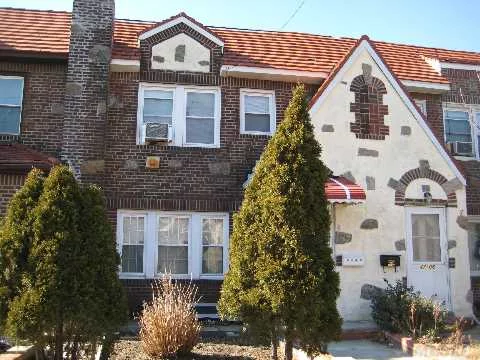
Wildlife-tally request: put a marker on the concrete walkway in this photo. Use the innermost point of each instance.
(364, 349)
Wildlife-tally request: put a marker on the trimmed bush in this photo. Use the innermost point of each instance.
(58, 266)
(282, 279)
(403, 310)
(169, 325)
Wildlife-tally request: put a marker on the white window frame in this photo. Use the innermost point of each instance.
(21, 102)
(120, 217)
(273, 110)
(189, 245)
(179, 112)
(472, 110)
(195, 246)
(224, 247)
(422, 104)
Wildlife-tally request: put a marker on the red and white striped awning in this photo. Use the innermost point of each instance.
(337, 190)
(341, 190)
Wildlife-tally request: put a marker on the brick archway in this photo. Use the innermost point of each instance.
(368, 107)
(422, 172)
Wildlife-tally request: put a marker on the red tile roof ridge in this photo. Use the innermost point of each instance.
(426, 47)
(279, 32)
(36, 10)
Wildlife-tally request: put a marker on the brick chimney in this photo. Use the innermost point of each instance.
(86, 91)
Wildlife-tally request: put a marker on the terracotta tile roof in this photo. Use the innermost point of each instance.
(43, 32)
(21, 158)
(47, 32)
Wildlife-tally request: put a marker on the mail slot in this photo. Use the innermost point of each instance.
(390, 261)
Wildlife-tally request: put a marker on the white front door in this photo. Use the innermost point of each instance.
(427, 253)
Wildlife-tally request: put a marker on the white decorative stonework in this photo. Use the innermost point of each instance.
(181, 53)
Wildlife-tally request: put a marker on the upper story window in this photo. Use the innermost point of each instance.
(257, 112)
(462, 129)
(422, 104)
(186, 245)
(179, 115)
(11, 96)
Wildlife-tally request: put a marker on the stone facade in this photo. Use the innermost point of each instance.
(86, 94)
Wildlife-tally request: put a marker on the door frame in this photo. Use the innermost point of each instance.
(442, 213)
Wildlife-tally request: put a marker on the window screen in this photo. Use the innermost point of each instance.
(200, 119)
(132, 245)
(212, 246)
(257, 113)
(426, 237)
(11, 94)
(158, 106)
(172, 245)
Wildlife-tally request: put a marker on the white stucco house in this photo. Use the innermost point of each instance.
(406, 226)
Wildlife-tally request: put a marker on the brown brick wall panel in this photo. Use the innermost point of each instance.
(191, 178)
(9, 184)
(140, 290)
(42, 113)
(465, 88)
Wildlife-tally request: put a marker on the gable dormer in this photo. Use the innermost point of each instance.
(180, 44)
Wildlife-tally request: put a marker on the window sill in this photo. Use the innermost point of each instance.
(256, 136)
(163, 146)
(254, 133)
(123, 276)
(465, 158)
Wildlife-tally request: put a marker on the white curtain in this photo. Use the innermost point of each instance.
(426, 237)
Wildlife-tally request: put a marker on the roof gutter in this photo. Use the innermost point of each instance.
(250, 72)
(426, 87)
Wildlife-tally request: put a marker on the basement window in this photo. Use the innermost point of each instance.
(257, 112)
(11, 96)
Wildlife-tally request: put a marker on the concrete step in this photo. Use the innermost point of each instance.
(18, 353)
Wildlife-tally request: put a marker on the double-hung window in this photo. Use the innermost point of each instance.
(133, 240)
(257, 112)
(158, 106)
(173, 244)
(185, 245)
(11, 95)
(212, 245)
(462, 129)
(193, 113)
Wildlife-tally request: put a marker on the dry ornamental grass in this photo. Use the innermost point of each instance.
(168, 325)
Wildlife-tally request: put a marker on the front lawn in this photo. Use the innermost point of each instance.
(222, 349)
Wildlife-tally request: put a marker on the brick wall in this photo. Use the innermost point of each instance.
(434, 112)
(42, 113)
(188, 179)
(9, 184)
(465, 88)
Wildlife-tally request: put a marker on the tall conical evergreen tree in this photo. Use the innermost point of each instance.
(282, 274)
(16, 236)
(70, 293)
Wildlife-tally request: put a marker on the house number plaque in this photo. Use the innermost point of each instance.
(427, 267)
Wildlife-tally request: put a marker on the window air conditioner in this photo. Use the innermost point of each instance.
(157, 132)
(461, 148)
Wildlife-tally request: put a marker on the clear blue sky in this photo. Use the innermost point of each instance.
(452, 24)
